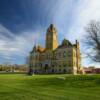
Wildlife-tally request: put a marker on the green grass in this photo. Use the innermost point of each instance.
(49, 87)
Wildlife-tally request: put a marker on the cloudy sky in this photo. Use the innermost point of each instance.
(23, 23)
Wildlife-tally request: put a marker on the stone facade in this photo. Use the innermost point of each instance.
(54, 58)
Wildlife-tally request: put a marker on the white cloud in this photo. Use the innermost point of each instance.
(17, 45)
(85, 12)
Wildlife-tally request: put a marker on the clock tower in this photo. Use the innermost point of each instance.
(51, 38)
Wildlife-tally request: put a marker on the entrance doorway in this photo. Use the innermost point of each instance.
(46, 67)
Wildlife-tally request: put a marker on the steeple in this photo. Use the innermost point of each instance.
(51, 27)
(51, 38)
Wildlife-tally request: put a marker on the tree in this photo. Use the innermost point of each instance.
(92, 40)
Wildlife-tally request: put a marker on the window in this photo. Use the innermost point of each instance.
(55, 64)
(36, 57)
(40, 65)
(55, 70)
(43, 56)
(69, 63)
(35, 65)
(30, 65)
(64, 70)
(64, 54)
(52, 70)
(54, 55)
(59, 55)
(69, 53)
(65, 65)
(47, 56)
(59, 70)
(59, 65)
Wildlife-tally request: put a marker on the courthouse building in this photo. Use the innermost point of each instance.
(55, 58)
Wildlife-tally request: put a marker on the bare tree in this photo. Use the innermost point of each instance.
(92, 40)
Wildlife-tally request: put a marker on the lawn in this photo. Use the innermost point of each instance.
(49, 87)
